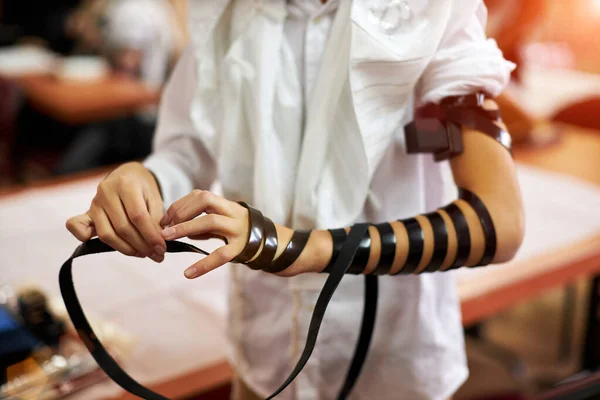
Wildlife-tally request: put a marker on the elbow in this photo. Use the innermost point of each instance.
(510, 234)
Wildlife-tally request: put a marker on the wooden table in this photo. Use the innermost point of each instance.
(84, 102)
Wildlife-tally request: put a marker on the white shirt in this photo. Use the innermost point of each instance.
(306, 32)
(255, 112)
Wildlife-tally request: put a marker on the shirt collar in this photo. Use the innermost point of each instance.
(311, 8)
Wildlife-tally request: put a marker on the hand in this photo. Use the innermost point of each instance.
(125, 214)
(224, 219)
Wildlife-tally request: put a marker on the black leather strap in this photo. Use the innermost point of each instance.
(255, 235)
(270, 242)
(477, 121)
(487, 224)
(362, 256)
(463, 235)
(442, 135)
(416, 245)
(366, 334)
(388, 249)
(339, 237)
(290, 254)
(83, 327)
(440, 242)
(338, 269)
(473, 100)
(493, 115)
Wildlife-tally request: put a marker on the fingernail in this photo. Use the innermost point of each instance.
(156, 258)
(168, 232)
(190, 272)
(159, 250)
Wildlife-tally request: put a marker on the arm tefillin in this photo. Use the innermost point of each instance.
(261, 248)
(444, 138)
(262, 237)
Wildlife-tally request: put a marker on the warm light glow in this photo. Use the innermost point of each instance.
(596, 5)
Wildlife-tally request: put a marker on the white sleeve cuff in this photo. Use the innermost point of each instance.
(478, 67)
(467, 60)
(174, 183)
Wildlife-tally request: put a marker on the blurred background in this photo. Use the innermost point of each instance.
(80, 81)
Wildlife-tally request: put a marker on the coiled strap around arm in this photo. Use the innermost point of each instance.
(463, 235)
(388, 248)
(255, 235)
(339, 238)
(291, 253)
(487, 224)
(362, 256)
(338, 270)
(417, 245)
(440, 240)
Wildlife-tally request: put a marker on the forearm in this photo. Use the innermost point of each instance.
(425, 243)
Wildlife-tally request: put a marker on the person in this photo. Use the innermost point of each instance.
(299, 108)
(140, 39)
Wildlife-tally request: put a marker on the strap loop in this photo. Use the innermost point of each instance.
(338, 269)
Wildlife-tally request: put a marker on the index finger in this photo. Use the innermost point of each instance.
(194, 204)
(139, 215)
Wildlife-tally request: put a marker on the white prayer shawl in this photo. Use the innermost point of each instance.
(349, 164)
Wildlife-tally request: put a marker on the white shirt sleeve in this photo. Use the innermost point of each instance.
(466, 61)
(181, 161)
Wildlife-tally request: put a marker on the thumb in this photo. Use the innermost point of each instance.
(82, 227)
